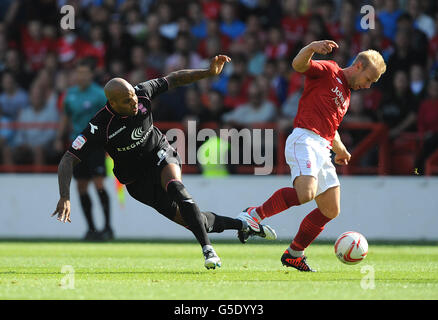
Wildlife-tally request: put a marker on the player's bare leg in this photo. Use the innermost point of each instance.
(171, 182)
(305, 187)
(329, 202)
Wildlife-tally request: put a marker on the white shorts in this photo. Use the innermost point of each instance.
(308, 154)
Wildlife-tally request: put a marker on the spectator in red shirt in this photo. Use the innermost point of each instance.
(428, 125)
(276, 47)
(211, 8)
(234, 96)
(213, 31)
(293, 23)
(326, 9)
(35, 47)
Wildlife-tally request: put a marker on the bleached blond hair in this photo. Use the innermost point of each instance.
(371, 58)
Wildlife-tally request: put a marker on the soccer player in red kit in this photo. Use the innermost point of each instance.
(324, 102)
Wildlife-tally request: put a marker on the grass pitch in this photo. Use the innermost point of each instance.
(175, 271)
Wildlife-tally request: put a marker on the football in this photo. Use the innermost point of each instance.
(351, 247)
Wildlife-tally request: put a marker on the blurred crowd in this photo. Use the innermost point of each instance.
(143, 39)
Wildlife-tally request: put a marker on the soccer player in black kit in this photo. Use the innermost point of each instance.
(145, 161)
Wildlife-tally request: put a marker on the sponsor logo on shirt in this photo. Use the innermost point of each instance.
(139, 135)
(112, 135)
(79, 142)
(339, 99)
(92, 127)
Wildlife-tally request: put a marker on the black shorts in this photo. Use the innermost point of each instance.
(93, 166)
(148, 190)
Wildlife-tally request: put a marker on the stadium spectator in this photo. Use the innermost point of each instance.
(215, 105)
(168, 26)
(418, 83)
(254, 26)
(35, 45)
(276, 84)
(356, 114)
(327, 10)
(257, 109)
(417, 38)
(35, 145)
(289, 108)
(388, 18)
(198, 23)
(195, 108)
(96, 47)
(422, 21)
(183, 50)
(14, 64)
(139, 63)
(119, 42)
(293, 22)
(403, 57)
(211, 9)
(398, 109)
(230, 23)
(380, 41)
(234, 94)
(280, 81)
(13, 99)
(81, 103)
(255, 55)
(155, 55)
(276, 46)
(428, 125)
(213, 32)
(136, 28)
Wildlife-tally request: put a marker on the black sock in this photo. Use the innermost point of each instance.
(189, 211)
(216, 223)
(86, 208)
(104, 200)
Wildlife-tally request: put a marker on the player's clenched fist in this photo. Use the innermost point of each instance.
(323, 46)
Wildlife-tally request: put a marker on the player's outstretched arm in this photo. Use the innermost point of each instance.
(65, 173)
(301, 61)
(187, 76)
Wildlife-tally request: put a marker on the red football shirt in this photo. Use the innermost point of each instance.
(325, 99)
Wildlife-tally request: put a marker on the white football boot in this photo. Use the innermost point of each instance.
(252, 228)
(211, 258)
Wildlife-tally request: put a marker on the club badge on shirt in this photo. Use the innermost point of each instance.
(79, 142)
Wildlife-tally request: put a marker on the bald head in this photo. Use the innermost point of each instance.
(116, 87)
(121, 95)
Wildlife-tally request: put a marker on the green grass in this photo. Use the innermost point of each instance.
(174, 270)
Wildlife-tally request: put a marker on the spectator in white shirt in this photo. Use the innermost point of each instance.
(258, 109)
(34, 145)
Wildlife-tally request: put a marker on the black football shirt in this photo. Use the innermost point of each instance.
(129, 140)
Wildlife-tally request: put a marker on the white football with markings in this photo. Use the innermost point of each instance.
(351, 247)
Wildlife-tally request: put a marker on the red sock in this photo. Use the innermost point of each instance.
(281, 200)
(311, 226)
